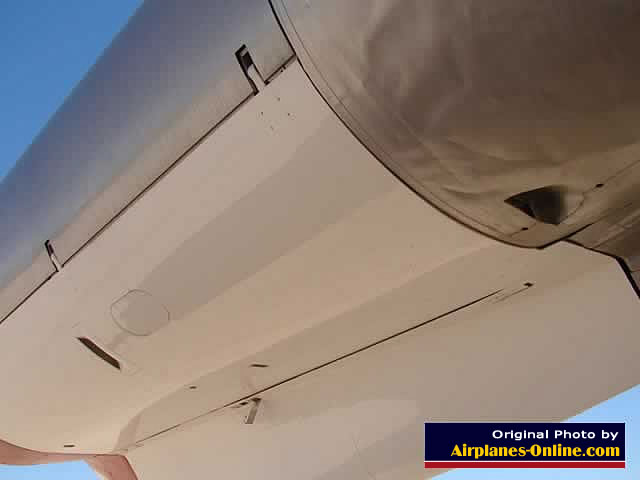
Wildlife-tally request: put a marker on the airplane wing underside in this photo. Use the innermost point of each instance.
(268, 295)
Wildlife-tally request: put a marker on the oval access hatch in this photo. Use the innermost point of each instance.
(139, 313)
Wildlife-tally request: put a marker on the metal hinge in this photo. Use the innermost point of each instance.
(253, 411)
(52, 256)
(249, 69)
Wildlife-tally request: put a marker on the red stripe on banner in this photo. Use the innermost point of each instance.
(612, 464)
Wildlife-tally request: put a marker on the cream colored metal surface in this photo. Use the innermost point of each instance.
(14, 289)
(195, 241)
(430, 291)
(289, 249)
(545, 354)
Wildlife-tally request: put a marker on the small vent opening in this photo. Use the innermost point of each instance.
(552, 204)
(99, 352)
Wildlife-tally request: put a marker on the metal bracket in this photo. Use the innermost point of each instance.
(253, 411)
(52, 256)
(249, 69)
(510, 292)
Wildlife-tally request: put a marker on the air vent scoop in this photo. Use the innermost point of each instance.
(99, 352)
(552, 204)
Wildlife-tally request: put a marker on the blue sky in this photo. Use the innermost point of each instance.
(46, 47)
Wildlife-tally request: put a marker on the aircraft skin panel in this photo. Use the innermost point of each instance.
(182, 228)
(314, 340)
(25, 283)
(528, 357)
